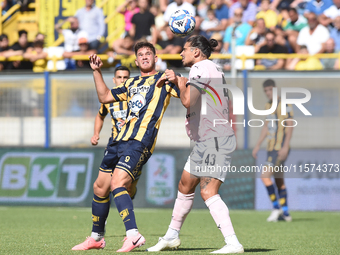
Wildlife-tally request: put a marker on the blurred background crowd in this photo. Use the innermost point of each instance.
(307, 27)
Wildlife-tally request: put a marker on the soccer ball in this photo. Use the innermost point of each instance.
(182, 23)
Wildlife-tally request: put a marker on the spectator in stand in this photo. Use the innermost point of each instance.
(318, 6)
(91, 20)
(210, 23)
(203, 7)
(256, 37)
(143, 23)
(241, 31)
(4, 46)
(128, 9)
(171, 45)
(123, 46)
(72, 35)
(223, 63)
(159, 17)
(305, 63)
(40, 37)
(294, 25)
(249, 11)
(85, 50)
(335, 33)
(222, 14)
(37, 56)
(176, 5)
(272, 47)
(18, 49)
(269, 16)
(330, 13)
(313, 36)
(330, 63)
(281, 4)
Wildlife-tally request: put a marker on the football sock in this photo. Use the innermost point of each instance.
(283, 201)
(100, 211)
(220, 213)
(125, 208)
(182, 207)
(272, 196)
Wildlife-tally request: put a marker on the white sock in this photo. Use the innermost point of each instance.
(171, 234)
(132, 232)
(232, 239)
(97, 236)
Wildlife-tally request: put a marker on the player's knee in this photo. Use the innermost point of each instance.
(185, 188)
(207, 193)
(100, 190)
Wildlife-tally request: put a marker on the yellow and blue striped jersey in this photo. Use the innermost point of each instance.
(146, 106)
(118, 112)
(276, 131)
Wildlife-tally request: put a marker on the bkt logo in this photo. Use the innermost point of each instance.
(45, 177)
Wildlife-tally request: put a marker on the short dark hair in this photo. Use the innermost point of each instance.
(269, 83)
(270, 32)
(3, 36)
(39, 43)
(21, 32)
(292, 9)
(122, 68)
(140, 45)
(202, 43)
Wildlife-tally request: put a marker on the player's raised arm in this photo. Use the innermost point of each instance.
(104, 93)
(188, 94)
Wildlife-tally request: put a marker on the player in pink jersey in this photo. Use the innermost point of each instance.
(205, 99)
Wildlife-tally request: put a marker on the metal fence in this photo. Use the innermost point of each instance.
(58, 110)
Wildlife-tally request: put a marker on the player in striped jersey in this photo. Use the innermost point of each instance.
(101, 187)
(137, 138)
(278, 137)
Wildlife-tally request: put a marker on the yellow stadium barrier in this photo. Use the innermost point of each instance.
(105, 57)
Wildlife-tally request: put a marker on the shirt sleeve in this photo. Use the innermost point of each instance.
(173, 90)
(300, 40)
(120, 93)
(227, 35)
(103, 111)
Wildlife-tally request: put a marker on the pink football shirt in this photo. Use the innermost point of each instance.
(211, 105)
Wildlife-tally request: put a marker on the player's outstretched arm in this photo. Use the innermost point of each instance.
(98, 125)
(104, 93)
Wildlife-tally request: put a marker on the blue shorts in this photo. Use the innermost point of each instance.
(272, 159)
(128, 156)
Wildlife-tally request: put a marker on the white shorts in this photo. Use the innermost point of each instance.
(211, 158)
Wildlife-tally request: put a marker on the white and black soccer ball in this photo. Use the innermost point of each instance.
(182, 23)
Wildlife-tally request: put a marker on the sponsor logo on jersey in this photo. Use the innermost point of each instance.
(141, 89)
(137, 103)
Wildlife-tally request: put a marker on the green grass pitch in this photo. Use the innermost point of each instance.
(52, 230)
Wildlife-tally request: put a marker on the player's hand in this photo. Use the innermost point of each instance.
(171, 76)
(182, 82)
(255, 151)
(94, 140)
(95, 62)
(282, 154)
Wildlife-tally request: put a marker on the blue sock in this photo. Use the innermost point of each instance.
(272, 196)
(283, 201)
(100, 211)
(125, 207)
